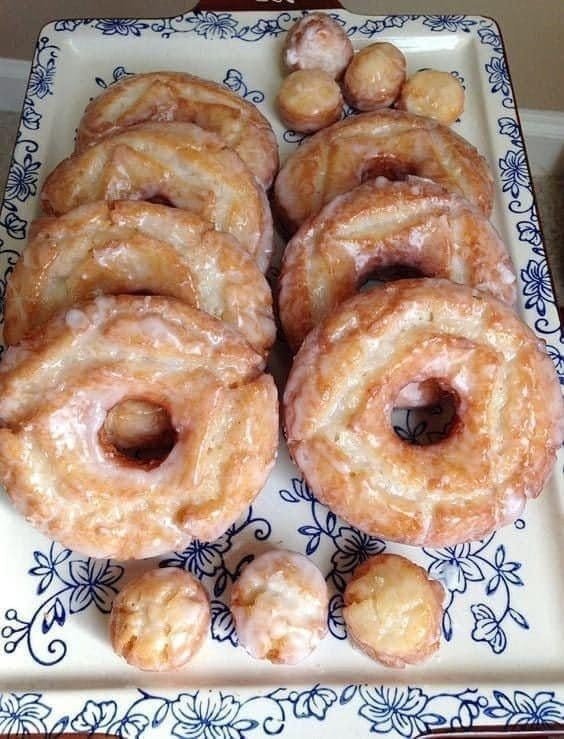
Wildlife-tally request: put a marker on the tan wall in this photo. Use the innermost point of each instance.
(533, 31)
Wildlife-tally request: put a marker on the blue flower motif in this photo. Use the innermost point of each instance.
(94, 583)
(514, 172)
(68, 25)
(222, 623)
(370, 27)
(529, 232)
(541, 708)
(487, 628)
(397, 709)
(120, 26)
(14, 225)
(490, 38)
(47, 566)
(455, 566)
(131, 726)
(354, 547)
(509, 127)
(22, 714)
(215, 25)
(41, 79)
(211, 716)
(234, 81)
(537, 286)
(315, 702)
(267, 27)
(94, 716)
(449, 23)
(498, 77)
(335, 618)
(557, 357)
(30, 117)
(505, 571)
(200, 558)
(22, 179)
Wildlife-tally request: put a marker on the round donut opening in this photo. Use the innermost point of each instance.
(425, 413)
(138, 431)
(388, 273)
(388, 166)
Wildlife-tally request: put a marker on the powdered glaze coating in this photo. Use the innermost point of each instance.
(280, 607)
(380, 225)
(509, 417)
(179, 163)
(57, 388)
(135, 247)
(160, 620)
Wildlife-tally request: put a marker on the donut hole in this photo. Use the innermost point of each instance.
(159, 199)
(138, 431)
(388, 273)
(426, 412)
(386, 165)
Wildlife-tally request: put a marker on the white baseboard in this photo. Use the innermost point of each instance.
(543, 129)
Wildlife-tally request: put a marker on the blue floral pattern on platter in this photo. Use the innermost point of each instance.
(482, 579)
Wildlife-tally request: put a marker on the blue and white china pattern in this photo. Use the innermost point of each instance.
(482, 579)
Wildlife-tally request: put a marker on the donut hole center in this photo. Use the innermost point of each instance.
(138, 432)
(388, 166)
(159, 199)
(388, 273)
(426, 412)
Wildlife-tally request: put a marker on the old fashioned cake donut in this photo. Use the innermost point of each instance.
(383, 225)
(390, 143)
(160, 620)
(59, 463)
(136, 247)
(374, 77)
(179, 164)
(177, 96)
(279, 604)
(317, 41)
(393, 610)
(502, 444)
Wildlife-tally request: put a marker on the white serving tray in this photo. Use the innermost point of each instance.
(502, 657)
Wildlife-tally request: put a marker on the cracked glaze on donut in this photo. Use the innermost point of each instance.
(344, 384)
(177, 96)
(383, 224)
(160, 620)
(280, 607)
(178, 163)
(390, 143)
(136, 247)
(57, 387)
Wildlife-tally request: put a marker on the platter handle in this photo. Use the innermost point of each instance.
(260, 5)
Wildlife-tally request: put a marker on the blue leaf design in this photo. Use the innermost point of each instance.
(348, 694)
(519, 618)
(330, 522)
(160, 714)
(499, 556)
(289, 496)
(493, 585)
(447, 625)
(55, 614)
(312, 544)
(220, 584)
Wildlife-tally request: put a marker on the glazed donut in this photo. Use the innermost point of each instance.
(308, 100)
(381, 225)
(374, 77)
(177, 96)
(393, 611)
(280, 604)
(317, 41)
(391, 143)
(435, 94)
(508, 425)
(59, 464)
(160, 620)
(177, 163)
(136, 247)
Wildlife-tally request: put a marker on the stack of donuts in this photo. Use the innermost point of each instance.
(135, 410)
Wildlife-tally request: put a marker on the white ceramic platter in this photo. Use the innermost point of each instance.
(502, 657)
